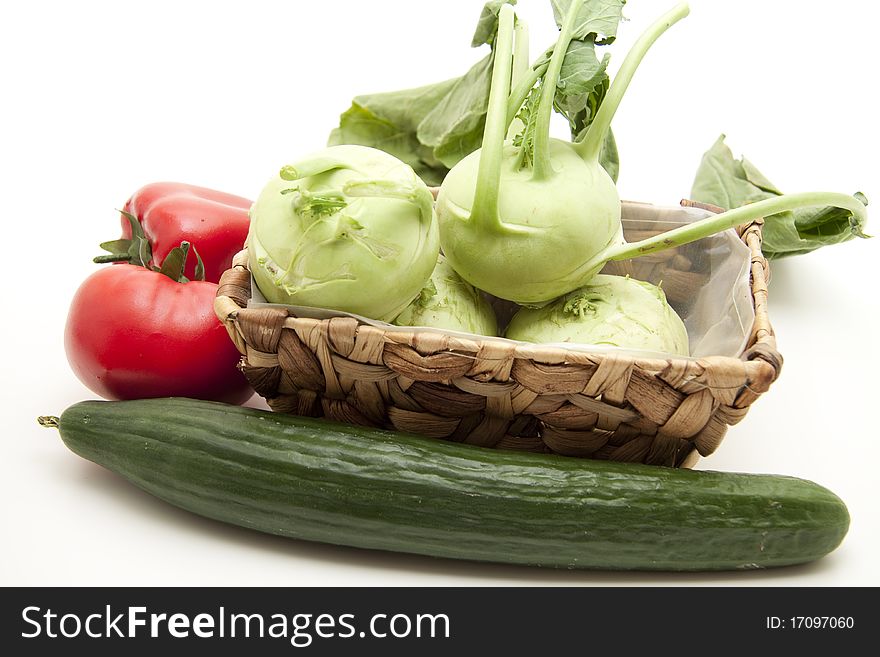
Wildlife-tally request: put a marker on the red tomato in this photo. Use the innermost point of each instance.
(134, 333)
(216, 223)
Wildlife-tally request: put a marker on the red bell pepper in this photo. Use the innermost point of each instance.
(215, 223)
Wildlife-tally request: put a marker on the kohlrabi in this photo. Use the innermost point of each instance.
(350, 228)
(609, 310)
(448, 302)
(531, 218)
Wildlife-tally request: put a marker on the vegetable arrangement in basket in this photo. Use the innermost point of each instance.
(525, 217)
(353, 291)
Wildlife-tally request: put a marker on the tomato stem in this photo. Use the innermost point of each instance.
(112, 257)
(137, 251)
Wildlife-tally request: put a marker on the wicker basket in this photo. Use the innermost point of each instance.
(497, 393)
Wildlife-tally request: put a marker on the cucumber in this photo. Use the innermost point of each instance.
(334, 483)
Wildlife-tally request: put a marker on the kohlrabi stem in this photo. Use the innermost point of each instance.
(590, 147)
(416, 193)
(520, 68)
(484, 210)
(312, 167)
(720, 222)
(520, 52)
(542, 168)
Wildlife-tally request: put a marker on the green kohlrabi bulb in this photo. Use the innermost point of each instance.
(610, 310)
(350, 228)
(448, 302)
(548, 228)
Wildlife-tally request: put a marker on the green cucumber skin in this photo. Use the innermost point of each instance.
(341, 484)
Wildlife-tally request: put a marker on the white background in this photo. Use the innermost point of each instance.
(101, 98)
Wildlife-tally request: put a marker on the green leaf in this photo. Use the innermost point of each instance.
(724, 181)
(581, 70)
(582, 73)
(116, 247)
(828, 223)
(389, 121)
(136, 228)
(175, 261)
(433, 127)
(757, 178)
(598, 17)
(487, 25)
(454, 127)
(525, 139)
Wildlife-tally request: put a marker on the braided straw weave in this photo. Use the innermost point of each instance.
(497, 393)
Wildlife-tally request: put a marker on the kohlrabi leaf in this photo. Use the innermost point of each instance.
(389, 121)
(431, 128)
(525, 139)
(579, 98)
(454, 127)
(827, 221)
(599, 17)
(754, 176)
(581, 70)
(586, 82)
(487, 25)
(729, 183)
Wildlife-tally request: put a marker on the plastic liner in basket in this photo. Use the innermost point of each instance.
(577, 400)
